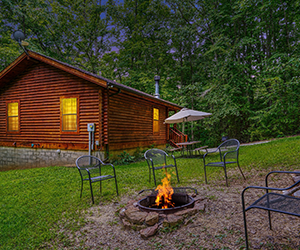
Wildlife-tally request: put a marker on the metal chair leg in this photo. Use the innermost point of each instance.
(269, 212)
(177, 175)
(245, 227)
(241, 170)
(116, 186)
(205, 174)
(81, 188)
(245, 222)
(92, 192)
(154, 176)
(225, 175)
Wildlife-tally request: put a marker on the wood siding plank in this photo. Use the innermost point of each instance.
(39, 89)
(131, 122)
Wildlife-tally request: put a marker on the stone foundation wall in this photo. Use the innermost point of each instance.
(19, 158)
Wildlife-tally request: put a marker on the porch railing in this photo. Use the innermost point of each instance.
(176, 136)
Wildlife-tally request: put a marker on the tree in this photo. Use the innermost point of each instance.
(9, 49)
(77, 32)
(237, 59)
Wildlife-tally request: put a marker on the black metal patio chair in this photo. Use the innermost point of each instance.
(91, 169)
(157, 159)
(229, 154)
(273, 201)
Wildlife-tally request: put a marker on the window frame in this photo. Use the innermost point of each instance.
(6, 117)
(158, 125)
(61, 115)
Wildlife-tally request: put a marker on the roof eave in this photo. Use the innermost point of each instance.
(4, 72)
(137, 92)
(82, 74)
(68, 69)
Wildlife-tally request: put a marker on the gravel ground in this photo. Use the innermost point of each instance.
(219, 227)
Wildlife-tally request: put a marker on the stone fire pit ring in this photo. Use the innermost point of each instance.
(147, 222)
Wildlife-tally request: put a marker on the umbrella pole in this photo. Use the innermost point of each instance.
(192, 131)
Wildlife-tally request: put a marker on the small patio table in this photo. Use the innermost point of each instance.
(189, 146)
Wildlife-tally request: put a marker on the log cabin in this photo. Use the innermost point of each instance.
(47, 105)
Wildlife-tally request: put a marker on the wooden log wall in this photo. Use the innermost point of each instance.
(39, 89)
(105, 117)
(131, 122)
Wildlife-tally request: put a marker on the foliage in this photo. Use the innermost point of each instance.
(139, 154)
(74, 32)
(124, 158)
(40, 207)
(237, 59)
(9, 49)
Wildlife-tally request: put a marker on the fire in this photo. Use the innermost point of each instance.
(165, 192)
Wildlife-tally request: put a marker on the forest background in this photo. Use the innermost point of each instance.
(238, 59)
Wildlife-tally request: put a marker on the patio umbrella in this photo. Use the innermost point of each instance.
(186, 115)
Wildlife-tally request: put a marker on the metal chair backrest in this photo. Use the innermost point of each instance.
(157, 156)
(88, 162)
(230, 148)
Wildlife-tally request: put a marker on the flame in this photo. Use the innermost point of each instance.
(165, 192)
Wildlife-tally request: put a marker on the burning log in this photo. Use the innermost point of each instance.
(165, 192)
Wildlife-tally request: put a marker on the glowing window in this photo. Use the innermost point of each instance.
(13, 116)
(155, 120)
(69, 114)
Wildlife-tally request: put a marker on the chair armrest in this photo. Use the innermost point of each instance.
(280, 172)
(228, 152)
(108, 164)
(113, 167)
(85, 169)
(209, 153)
(267, 189)
(271, 188)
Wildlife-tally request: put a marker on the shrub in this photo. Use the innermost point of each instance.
(124, 159)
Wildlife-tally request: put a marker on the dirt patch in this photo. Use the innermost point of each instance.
(219, 227)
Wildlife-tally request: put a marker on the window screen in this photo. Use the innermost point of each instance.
(13, 116)
(69, 114)
(155, 120)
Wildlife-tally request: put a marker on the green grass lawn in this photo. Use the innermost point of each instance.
(37, 205)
